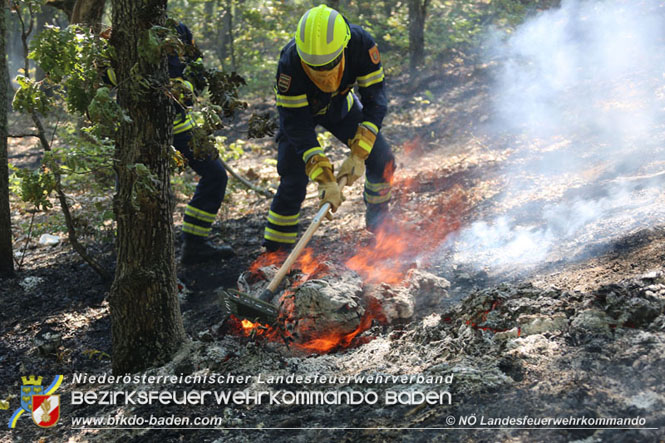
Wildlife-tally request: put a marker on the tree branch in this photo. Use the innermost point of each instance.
(22, 135)
(62, 198)
(247, 183)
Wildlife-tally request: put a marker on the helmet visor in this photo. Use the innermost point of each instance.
(328, 66)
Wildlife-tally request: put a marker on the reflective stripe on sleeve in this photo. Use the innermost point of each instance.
(371, 126)
(291, 101)
(183, 125)
(111, 74)
(312, 152)
(370, 79)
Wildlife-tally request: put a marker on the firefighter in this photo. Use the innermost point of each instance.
(315, 76)
(202, 209)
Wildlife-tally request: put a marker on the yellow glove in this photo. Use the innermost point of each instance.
(363, 142)
(319, 169)
(329, 192)
(361, 145)
(353, 168)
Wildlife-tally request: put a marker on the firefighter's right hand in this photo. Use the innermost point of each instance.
(352, 168)
(329, 192)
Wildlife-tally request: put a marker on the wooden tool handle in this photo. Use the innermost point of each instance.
(298, 248)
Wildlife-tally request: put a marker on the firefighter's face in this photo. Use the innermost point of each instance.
(328, 77)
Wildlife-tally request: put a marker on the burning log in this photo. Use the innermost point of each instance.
(319, 308)
(325, 305)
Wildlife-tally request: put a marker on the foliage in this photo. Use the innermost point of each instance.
(69, 57)
(261, 28)
(105, 111)
(34, 187)
(30, 97)
(235, 38)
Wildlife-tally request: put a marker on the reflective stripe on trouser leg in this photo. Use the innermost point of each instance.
(282, 223)
(376, 193)
(201, 211)
(281, 228)
(197, 222)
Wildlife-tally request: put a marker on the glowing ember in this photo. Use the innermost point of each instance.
(334, 340)
(248, 325)
(247, 328)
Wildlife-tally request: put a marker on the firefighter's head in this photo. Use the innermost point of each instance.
(321, 37)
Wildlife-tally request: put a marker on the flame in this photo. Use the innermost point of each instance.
(248, 325)
(249, 328)
(397, 246)
(333, 340)
(413, 147)
(307, 263)
(267, 259)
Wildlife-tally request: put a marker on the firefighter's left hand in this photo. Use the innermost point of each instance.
(329, 192)
(353, 168)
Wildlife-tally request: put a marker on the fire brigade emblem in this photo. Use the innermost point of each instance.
(38, 401)
(45, 410)
(374, 54)
(31, 386)
(284, 82)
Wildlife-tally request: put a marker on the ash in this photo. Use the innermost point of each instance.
(510, 350)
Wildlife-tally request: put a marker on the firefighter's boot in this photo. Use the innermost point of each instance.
(198, 250)
(376, 215)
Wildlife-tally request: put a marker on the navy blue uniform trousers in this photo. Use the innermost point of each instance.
(201, 211)
(283, 219)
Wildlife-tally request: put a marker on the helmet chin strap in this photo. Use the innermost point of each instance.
(326, 81)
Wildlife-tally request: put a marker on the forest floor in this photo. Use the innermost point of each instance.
(577, 332)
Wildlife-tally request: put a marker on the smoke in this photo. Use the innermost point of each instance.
(580, 94)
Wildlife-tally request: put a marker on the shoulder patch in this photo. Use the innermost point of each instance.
(374, 54)
(284, 82)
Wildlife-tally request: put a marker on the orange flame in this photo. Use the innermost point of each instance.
(307, 263)
(247, 328)
(333, 340)
(413, 147)
(396, 246)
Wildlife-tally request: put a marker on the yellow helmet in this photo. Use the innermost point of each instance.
(321, 36)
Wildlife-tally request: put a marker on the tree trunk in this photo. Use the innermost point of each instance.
(229, 29)
(89, 12)
(145, 315)
(334, 4)
(66, 6)
(6, 253)
(417, 15)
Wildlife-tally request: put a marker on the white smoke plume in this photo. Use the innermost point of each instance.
(580, 92)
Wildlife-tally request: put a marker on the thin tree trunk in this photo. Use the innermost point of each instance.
(6, 253)
(145, 314)
(89, 12)
(66, 6)
(231, 38)
(417, 15)
(222, 36)
(41, 134)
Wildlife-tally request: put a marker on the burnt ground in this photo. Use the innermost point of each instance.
(579, 333)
